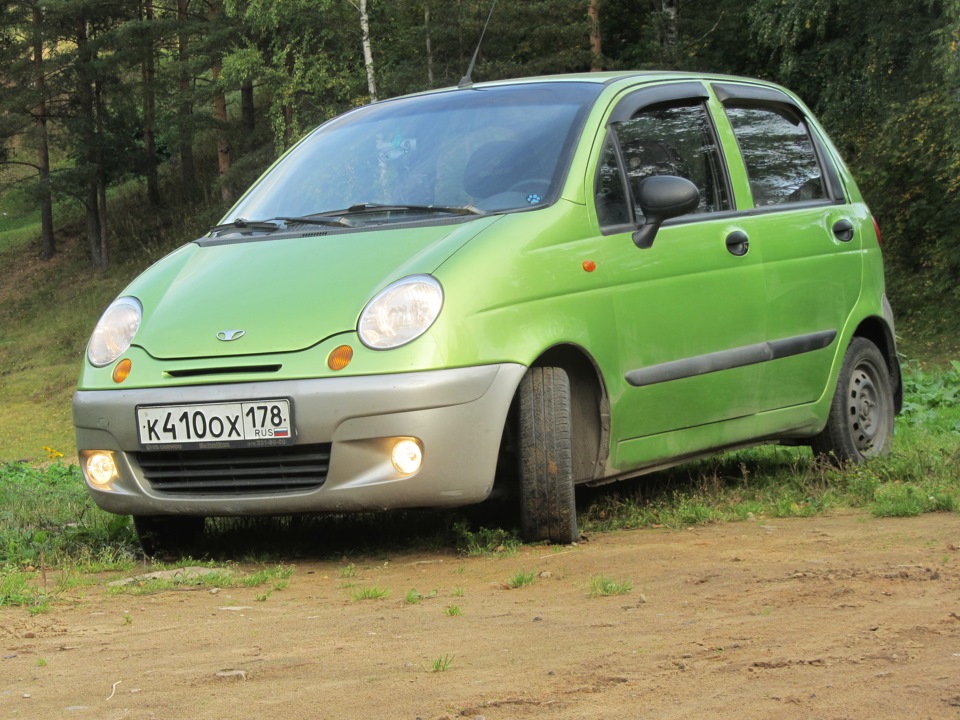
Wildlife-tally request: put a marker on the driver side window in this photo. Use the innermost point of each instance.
(664, 140)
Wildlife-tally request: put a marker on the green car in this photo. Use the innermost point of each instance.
(525, 285)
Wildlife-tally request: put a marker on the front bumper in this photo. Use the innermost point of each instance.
(458, 416)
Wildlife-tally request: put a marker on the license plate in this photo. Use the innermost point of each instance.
(239, 424)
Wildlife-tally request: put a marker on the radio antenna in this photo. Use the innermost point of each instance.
(467, 79)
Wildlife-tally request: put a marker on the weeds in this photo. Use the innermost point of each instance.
(485, 541)
(215, 577)
(442, 664)
(369, 593)
(521, 579)
(413, 597)
(601, 586)
(452, 611)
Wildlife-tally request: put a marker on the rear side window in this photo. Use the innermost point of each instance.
(676, 139)
(779, 154)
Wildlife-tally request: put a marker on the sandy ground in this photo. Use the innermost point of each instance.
(833, 617)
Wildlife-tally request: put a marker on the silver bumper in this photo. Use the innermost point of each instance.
(457, 415)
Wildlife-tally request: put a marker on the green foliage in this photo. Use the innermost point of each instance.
(927, 394)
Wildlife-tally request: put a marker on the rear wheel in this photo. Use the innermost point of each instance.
(860, 424)
(168, 534)
(548, 508)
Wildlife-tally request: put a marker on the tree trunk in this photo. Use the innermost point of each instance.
(188, 173)
(86, 102)
(248, 118)
(148, 71)
(670, 20)
(100, 111)
(426, 27)
(48, 246)
(596, 52)
(367, 51)
(291, 64)
(223, 146)
(220, 114)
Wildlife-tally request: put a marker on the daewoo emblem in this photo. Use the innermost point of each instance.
(228, 335)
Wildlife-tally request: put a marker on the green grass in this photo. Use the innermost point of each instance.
(453, 611)
(442, 664)
(602, 586)
(52, 536)
(49, 308)
(218, 577)
(485, 542)
(45, 513)
(369, 593)
(521, 579)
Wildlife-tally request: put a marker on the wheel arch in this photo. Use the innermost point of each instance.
(590, 408)
(879, 332)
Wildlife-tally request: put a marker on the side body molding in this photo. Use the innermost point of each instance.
(729, 359)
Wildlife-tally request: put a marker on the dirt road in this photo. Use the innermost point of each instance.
(833, 617)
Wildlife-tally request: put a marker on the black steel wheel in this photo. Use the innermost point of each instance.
(168, 534)
(860, 423)
(548, 508)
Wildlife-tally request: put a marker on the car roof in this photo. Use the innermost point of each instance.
(608, 78)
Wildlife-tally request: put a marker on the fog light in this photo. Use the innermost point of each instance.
(407, 456)
(100, 467)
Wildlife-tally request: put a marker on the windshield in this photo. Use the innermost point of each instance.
(487, 149)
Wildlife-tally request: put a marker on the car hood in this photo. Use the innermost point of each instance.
(284, 293)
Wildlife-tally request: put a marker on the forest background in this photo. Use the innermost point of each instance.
(129, 126)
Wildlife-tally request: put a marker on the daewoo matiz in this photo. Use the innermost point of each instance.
(533, 284)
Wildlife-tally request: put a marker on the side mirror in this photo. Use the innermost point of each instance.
(662, 197)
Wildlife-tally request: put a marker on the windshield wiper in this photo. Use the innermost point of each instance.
(319, 219)
(380, 207)
(244, 224)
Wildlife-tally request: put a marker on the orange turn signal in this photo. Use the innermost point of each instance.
(340, 357)
(122, 371)
(589, 265)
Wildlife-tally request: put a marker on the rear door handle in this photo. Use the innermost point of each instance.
(738, 243)
(843, 230)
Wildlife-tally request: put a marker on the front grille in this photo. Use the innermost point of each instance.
(293, 468)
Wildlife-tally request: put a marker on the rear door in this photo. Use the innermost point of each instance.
(805, 232)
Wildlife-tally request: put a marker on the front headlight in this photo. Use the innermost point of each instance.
(114, 331)
(401, 312)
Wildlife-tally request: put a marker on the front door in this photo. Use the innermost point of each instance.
(688, 308)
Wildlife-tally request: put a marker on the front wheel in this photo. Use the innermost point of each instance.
(548, 508)
(860, 423)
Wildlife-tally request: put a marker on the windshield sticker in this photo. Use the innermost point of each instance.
(396, 148)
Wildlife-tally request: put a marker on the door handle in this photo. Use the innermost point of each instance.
(843, 230)
(738, 243)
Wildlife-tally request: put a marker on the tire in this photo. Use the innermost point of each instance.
(860, 423)
(168, 534)
(548, 509)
